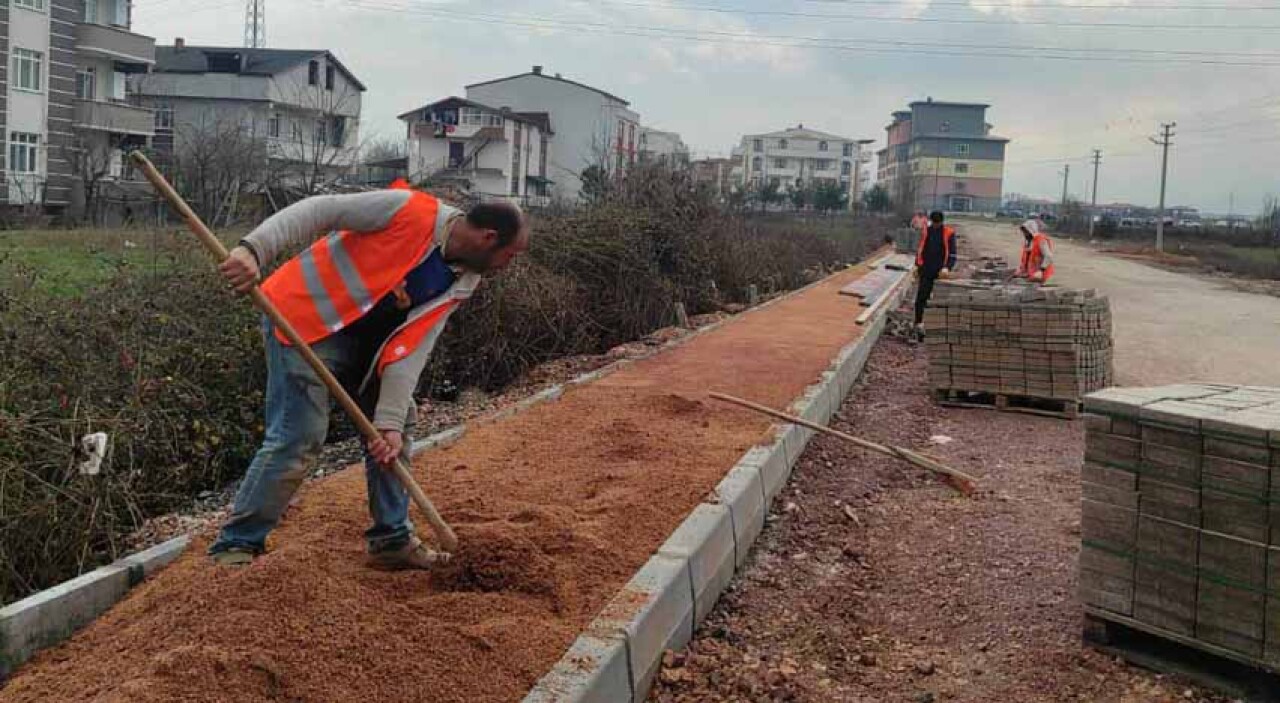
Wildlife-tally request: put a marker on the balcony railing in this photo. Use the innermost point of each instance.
(113, 117)
(115, 43)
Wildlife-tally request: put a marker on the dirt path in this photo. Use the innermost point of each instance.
(875, 583)
(1170, 327)
(556, 507)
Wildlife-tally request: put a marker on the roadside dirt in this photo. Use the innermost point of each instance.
(558, 507)
(874, 582)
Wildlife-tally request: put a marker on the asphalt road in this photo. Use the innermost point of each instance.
(1169, 327)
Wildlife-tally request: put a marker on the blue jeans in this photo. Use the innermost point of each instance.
(297, 419)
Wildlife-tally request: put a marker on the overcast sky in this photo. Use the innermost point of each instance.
(753, 66)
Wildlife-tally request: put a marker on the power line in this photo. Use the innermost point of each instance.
(934, 20)
(990, 5)
(798, 42)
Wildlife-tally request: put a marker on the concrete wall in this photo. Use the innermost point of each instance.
(584, 121)
(929, 118)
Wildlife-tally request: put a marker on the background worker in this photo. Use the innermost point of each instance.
(371, 298)
(1036, 262)
(935, 258)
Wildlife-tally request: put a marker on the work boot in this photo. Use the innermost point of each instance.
(413, 555)
(233, 557)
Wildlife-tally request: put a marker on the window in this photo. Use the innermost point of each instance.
(757, 163)
(542, 155)
(846, 168)
(962, 167)
(622, 133)
(23, 150)
(515, 185)
(273, 126)
(848, 150)
(295, 131)
(782, 144)
(823, 165)
(822, 146)
(37, 5)
(962, 150)
(313, 73)
(164, 116)
(960, 186)
(944, 127)
(779, 163)
(86, 84)
(28, 67)
(91, 11)
(329, 73)
(757, 144)
(338, 131)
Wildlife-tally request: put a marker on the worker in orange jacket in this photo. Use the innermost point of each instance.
(371, 297)
(1036, 262)
(935, 258)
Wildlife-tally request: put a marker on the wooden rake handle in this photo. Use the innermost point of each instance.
(959, 480)
(444, 533)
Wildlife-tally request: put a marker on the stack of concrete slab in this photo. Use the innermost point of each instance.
(1018, 340)
(1180, 524)
(992, 269)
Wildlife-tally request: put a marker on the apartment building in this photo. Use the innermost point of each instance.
(65, 115)
(943, 156)
(662, 147)
(592, 127)
(486, 151)
(801, 156)
(302, 106)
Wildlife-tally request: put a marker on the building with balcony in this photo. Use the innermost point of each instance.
(298, 110)
(661, 147)
(942, 156)
(801, 157)
(485, 151)
(592, 127)
(66, 116)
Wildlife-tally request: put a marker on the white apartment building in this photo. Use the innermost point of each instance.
(64, 113)
(592, 127)
(487, 151)
(802, 156)
(663, 147)
(304, 105)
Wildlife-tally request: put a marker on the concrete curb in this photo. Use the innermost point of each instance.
(52, 615)
(675, 590)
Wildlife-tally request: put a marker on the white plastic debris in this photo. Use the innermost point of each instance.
(94, 447)
(940, 439)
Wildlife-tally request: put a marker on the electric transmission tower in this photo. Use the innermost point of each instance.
(255, 24)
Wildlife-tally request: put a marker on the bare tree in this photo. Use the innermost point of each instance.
(383, 150)
(216, 161)
(319, 145)
(90, 161)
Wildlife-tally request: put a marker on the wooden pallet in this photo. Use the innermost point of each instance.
(1067, 409)
(1167, 652)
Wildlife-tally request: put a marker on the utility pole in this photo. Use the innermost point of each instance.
(1093, 201)
(1166, 138)
(1066, 174)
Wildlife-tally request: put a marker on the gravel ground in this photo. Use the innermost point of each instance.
(212, 507)
(875, 582)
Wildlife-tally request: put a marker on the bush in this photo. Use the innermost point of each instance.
(169, 365)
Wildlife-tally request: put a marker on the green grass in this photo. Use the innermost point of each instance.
(65, 262)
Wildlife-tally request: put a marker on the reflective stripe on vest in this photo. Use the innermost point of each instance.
(408, 338)
(340, 277)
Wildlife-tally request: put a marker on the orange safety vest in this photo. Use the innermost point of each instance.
(948, 234)
(341, 277)
(1031, 258)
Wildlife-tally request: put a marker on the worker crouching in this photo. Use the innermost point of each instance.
(1036, 263)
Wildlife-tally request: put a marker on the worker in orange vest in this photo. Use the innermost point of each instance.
(935, 258)
(1036, 263)
(371, 297)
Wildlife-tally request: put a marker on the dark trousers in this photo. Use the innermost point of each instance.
(924, 289)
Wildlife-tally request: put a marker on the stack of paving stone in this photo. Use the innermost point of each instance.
(1180, 522)
(991, 269)
(1018, 340)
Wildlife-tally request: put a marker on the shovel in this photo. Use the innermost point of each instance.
(448, 540)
